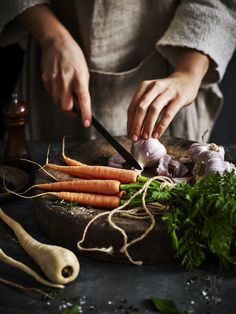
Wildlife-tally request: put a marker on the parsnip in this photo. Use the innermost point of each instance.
(59, 264)
(13, 262)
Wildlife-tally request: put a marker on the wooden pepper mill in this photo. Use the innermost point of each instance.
(15, 117)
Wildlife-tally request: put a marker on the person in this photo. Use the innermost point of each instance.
(144, 68)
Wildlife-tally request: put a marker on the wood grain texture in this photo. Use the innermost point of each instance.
(65, 225)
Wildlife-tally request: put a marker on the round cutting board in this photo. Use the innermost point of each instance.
(65, 224)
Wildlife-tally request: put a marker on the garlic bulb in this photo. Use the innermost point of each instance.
(197, 148)
(148, 152)
(210, 160)
(216, 165)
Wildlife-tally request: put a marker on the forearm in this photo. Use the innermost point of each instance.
(193, 63)
(40, 21)
(163, 98)
(64, 68)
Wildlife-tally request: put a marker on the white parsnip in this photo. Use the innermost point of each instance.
(59, 264)
(23, 288)
(13, 262)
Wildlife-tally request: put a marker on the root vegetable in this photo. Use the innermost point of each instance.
(84, 199)
(106, 187)
(13, 262)
(23, 288)
(59, 264)
(69, 161)
(98, 172)
(89, 199)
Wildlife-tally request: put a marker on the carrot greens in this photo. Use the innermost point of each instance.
(202, 219)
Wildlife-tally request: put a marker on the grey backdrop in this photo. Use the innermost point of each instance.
(225, 129)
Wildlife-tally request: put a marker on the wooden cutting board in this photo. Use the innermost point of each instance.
(65, 224)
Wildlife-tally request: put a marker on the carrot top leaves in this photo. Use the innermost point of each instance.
(202, 219)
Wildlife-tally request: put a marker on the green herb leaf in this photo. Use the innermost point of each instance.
(74, 309)
(202, 219)
(165, 306)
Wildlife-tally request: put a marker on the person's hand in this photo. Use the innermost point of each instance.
(162, 99)
(64, 68)
(156, 102)
(65, 75)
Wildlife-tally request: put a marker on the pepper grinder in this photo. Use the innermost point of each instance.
(15, 117)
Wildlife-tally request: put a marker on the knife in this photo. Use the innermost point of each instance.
(110, 139)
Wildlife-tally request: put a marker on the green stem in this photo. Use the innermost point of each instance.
(142, 179)
(136, 201)
(129, 186)
(139, 184)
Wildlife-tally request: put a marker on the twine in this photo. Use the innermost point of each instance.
(132, 213)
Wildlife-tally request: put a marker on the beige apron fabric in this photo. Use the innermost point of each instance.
(194, 120)
(111, 94)
(119, 42)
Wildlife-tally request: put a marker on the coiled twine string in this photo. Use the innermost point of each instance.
(133, 213)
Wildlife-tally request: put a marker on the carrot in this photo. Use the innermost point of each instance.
(69, 161)
(86, 199)
(89, 199)
(60, 265)
(108, 187)
(98, 172)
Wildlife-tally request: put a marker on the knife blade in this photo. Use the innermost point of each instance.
(118, 147)
(114, 143)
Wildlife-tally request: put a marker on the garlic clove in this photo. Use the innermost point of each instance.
(116, 161)
(195, 149)
(148, 152)
(216, 165)
(163, 167)
(177, 168)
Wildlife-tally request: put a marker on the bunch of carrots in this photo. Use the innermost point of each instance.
(92, 185)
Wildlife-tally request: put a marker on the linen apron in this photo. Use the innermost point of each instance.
(119, 40)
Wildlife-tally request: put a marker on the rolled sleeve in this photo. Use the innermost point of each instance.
(10, 29)
(208, 26)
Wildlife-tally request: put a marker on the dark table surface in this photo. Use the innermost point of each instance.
(103, 287)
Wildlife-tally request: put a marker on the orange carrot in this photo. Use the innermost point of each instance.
(110, 187)
(98, 172)
(69, 161)
(85, 199)
(89, 199)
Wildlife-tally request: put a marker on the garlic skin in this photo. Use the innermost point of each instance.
(171, 167)
(148, 152)
(163, 166)
(177, 168)
(209, 159)
(197, 148)
(116, 161)
(218, 165)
